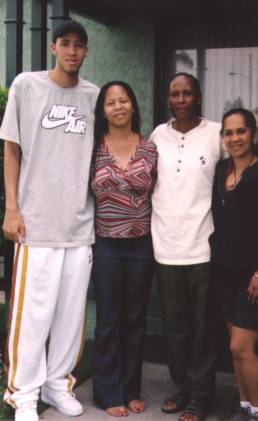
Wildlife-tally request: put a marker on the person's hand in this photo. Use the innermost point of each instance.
(13, 226)
(253, 290)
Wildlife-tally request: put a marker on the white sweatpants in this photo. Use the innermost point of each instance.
(48, 298)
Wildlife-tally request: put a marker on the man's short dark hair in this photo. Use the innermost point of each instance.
(70, 26)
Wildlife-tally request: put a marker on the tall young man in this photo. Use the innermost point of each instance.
(48, 129)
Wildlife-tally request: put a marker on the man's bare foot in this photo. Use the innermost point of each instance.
(195, 410)
(189, 417)
(170, 406)
(137, 406)
(176, 403)
(118, 411)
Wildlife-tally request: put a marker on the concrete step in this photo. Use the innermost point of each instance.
(155, 388)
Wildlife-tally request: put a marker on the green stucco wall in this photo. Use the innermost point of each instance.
(123, 51)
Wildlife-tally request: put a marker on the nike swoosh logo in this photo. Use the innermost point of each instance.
(52, 124)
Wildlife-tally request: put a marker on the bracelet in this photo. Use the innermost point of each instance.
(255, 274)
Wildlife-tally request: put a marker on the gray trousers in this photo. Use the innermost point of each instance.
(189, 316)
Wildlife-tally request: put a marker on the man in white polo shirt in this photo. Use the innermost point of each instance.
(188, 148)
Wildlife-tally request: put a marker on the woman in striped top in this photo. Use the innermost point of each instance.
(123, 176)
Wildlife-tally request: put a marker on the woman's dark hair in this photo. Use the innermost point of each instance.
(248, 117)
(196, 86)
(101, 123)
(249, 120)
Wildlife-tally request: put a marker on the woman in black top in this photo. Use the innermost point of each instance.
(234, 246)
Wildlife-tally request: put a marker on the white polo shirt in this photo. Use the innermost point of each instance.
(181, 218)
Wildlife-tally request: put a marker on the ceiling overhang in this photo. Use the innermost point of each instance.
(111, 11)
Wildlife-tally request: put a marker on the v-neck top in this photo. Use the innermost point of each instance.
(234, 243)
(122, 196)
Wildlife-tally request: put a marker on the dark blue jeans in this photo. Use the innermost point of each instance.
(122, 275)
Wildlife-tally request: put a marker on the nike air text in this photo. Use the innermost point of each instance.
(60, 115)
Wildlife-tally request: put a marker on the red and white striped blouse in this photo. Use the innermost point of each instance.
(123, 205)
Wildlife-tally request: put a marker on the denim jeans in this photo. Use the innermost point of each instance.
(122, 275)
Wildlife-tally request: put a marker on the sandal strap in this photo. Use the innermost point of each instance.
(179, 398)
(196, 408)
(179, 402)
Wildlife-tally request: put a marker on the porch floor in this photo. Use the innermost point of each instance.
(156, 387)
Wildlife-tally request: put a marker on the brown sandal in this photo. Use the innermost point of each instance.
(180, 399)
(195, 408)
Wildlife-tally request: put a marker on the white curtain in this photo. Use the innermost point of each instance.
(230, 78)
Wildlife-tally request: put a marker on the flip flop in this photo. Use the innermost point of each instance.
(180, 399)
(196, 409)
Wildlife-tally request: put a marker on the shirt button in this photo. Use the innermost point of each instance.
(179, 161)
(182, 146)
(183, 138)
(178, 170)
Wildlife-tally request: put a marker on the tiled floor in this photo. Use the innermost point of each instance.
(156, 387)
